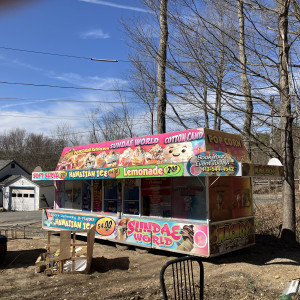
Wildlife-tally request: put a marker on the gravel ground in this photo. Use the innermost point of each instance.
(258, 272)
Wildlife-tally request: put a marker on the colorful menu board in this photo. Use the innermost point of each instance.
(175, 147)
(194, 152)
(161, 234)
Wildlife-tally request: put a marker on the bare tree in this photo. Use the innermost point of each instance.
(286, 121)
(240, 54)
(65, 133)
(244, 78)
(161, 73)
(114, 123)
(143, 82)
(30, 149)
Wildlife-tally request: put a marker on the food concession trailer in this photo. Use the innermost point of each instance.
(187, 192)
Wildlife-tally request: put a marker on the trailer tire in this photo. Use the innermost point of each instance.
(122, 247)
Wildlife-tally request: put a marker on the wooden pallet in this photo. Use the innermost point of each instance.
(64, 256)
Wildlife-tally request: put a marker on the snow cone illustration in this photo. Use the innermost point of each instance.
(187, 242)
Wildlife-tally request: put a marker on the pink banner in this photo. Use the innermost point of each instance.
(175, 147)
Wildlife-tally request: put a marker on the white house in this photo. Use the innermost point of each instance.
(19, 192)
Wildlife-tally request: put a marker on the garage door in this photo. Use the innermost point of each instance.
(22, 199)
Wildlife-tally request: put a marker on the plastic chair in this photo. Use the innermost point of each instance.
(182, 278)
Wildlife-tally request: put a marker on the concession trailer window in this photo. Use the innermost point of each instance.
(110, 196)
(132, 196)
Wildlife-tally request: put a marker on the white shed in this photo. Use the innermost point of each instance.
(7, 169)
(22, 194)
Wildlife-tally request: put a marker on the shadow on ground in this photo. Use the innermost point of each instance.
(103, 265)
(21, 259)
(266, 251)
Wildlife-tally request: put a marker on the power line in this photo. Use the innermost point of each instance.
(64, 87)
(86, 101)
(62, 55)
(71, 56)
(57, 54)
(56, 117)
(80, 57)
(45, 117)
(66, 100)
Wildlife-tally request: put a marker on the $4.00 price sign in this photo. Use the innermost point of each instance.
(105, 226)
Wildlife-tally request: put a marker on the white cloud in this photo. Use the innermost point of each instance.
(94, 34)
(44, 118)
(18, 63)
(95, 82)
(107, 3)
(18, 104)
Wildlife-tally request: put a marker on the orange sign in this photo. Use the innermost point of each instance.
(105, 226)
(114, 172)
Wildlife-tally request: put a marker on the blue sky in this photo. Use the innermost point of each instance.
(84, 28)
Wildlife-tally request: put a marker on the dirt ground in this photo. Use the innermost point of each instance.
(258, 272)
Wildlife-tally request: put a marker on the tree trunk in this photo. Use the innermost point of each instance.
(161, 74)
(272, 101)
(217, 119)
(205, 95)
(218, 104)
(244, 79)
(286, 122)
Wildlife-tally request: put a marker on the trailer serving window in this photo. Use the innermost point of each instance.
(69, 195)
(97, 195)
(132, 196)
(110, 196)
(156, 196)
(189, 198)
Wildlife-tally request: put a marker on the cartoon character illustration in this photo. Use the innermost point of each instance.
(179, 152)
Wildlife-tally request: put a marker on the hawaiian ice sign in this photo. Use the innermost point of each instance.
(212, 163)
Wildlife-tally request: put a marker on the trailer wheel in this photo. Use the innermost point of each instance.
(122, 247)
(142, 250)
